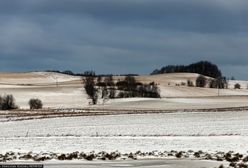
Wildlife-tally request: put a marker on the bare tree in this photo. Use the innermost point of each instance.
(90, 88)
(237, 86)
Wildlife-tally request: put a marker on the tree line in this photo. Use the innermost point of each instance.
(87, 73)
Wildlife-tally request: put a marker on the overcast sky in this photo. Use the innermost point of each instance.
(123, 36)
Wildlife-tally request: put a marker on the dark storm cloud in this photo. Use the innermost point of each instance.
(191, 15)
(131, 36)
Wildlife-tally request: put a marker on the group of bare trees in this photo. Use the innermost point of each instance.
(220, 82)
(129, 87)
(107, 88)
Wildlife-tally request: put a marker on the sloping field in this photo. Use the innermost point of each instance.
(54, 89)
(168, 82)
(35, 78)
(64, 91)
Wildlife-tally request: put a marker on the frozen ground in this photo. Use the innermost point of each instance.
(168, 163)
(207, 131)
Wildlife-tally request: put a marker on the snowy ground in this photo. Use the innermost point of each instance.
(54, 89)
(177, 103)
(207, 131)
(181, 131)
(156, 163)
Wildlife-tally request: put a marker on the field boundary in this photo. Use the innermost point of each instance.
(17, 115)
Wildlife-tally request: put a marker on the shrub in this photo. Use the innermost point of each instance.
(35, 104)
(112, 93)
(221, 166)
(121, 85)
(105, 93)
(109, 81)
(183, 84)
(121, 95)
(222, 83)
(7, 102)
(201, 81)
(179, 154)
(213, 83)
(237, 86)
(131, 83)
(190, 83)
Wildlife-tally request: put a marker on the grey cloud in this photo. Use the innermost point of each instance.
(131, 36)
(192, 15)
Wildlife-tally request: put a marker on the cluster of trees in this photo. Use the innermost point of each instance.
(220, 82)
(106, 88)
(203, 67)
(7, 102)
(129, 87)
(202, 81)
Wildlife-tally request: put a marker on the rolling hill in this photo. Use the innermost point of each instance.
(64, 91)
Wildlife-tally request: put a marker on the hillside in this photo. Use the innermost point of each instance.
(54, 89)
(174, 85)
(64, 91)
(202, 67)
(34, 78)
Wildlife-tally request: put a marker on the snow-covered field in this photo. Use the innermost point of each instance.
(64, 91)
(35, 78)
(207, 131)
(155, 163)
(180, 131)
(54, 89)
